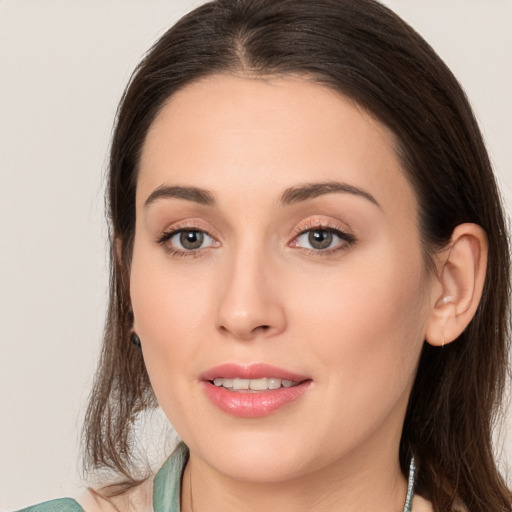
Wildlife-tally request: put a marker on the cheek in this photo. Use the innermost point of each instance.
(164, 320)
(166, 311)
(363, 332)
(369, 318)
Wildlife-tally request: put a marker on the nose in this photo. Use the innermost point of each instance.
(251, 304)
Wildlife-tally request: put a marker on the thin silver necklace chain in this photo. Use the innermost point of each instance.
(410, 486)
(408, 498)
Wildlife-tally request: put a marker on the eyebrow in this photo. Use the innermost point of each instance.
(311, 190)
(290, 196)
(197, 195)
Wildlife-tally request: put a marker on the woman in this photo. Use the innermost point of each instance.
(310, 270)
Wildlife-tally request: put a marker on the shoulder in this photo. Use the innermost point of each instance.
(136, 499)
(61, 505)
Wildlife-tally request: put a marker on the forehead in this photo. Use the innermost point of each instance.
(228, 133)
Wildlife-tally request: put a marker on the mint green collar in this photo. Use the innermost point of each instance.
(167, 483)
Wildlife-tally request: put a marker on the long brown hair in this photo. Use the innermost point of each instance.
(363, 50)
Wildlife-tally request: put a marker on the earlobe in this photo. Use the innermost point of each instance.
(461, 276)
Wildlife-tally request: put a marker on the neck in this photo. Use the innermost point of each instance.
(345, 486)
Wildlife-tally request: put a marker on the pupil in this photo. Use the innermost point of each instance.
(191, 239)
(320, 239)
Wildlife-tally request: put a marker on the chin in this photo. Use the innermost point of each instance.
(255, 457)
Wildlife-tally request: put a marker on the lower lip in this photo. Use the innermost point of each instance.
(255, 404)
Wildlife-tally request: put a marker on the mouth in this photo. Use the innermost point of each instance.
(253, 385)
(253, 391)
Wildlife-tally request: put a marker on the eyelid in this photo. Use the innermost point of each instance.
(346, 237)
(189, 225)
(318, 223)
(324, 225)
(185, 225)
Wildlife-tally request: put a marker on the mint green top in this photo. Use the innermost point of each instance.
(166, 488)
(167, 485)
(62, 505)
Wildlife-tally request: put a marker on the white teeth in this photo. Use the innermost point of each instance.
(274, 383)
(258, 384)
(227, 383)
(241, 383)
(253, 384)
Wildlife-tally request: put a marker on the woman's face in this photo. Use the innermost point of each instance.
(277, 240)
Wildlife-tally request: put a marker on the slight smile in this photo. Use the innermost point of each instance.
(252, 391)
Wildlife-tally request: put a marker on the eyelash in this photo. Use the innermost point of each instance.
(347, 239)
(167, 235)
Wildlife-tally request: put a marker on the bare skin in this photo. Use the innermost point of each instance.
(255, 286)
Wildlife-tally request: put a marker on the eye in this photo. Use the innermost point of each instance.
(323, 239)
(189, 240)
(184, 241)
(319, 239)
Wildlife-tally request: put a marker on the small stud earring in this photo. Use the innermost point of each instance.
(446, 299)
(135, 339)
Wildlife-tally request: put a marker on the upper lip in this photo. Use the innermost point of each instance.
(252, 371)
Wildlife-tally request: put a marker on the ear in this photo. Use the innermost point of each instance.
(457, 291)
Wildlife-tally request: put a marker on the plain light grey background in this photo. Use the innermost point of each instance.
(63, 66)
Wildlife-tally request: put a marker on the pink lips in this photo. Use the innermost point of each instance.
(252, 404)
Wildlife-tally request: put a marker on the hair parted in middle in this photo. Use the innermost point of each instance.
(362, 50)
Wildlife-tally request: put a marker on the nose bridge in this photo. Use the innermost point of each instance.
(250, 303)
